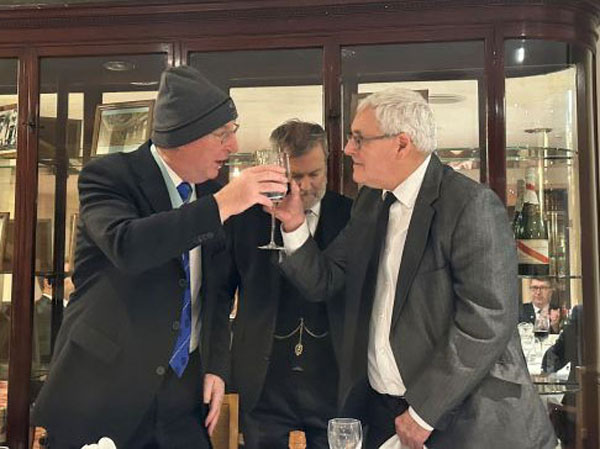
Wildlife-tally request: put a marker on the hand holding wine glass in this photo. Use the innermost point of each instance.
(246, 188)
(273, 156)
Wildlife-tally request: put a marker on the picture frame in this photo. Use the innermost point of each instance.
(4, 219)
(8, 130)
(43, 245)
(121, 127)
(72, 240)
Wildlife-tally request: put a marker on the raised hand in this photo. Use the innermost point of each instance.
(249, 188)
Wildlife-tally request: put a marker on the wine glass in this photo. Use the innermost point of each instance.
(541, 328)
(237, 162)
(273, 156)
(344, 433)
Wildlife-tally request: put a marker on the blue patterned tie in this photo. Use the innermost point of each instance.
(181, 352)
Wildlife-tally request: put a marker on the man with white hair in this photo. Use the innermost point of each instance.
(431, 356)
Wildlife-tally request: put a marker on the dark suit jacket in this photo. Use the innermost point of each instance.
(119, 330)
(527, 313)
(453, 330)
(261, 289)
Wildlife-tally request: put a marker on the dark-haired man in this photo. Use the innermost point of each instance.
(284, 363)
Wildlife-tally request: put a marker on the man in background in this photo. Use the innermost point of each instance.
(284, 363)
(141, 356)
(540, 290)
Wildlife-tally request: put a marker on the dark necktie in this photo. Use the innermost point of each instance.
(370, 282)
(181, 352)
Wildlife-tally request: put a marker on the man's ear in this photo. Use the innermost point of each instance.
(404, 142)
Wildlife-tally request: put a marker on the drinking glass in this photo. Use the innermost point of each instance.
(237, 162)
(541, 328)
(273, 156)
(344, 433)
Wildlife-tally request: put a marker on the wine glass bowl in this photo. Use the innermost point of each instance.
(273, 156)
(344, 433)
(238, 162)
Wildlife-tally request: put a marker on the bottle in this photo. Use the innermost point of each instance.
(532, 234)
(518, 206)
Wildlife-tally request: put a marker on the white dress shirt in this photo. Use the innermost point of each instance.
(384, 375)
(312, 217)
(195, 253)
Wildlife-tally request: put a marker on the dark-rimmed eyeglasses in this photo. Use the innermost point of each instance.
(223, 136)
(358, 140)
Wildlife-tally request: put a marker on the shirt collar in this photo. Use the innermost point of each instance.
(316, 209)
(174, 176)
(408, 190)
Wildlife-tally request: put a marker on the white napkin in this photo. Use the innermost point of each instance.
(394, 443)
(103, 443)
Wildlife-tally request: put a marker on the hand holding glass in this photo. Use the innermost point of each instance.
(344, 433)
(273, 157)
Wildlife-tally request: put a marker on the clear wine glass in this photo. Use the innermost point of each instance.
(344, 433)
(541, 328)
(273, 156)
(238, 162)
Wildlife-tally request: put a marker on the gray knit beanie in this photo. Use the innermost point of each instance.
(188, 107)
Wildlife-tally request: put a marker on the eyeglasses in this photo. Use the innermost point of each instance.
(225, 135)
(358, 140)
(539, 288)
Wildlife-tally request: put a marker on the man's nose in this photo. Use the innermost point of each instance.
(232, 145)
(304, 183)
(349, 148)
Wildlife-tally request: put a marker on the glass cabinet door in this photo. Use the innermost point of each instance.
(268, 87)
(449, 75)
(89, 106)
(542, 161)
(8, 154)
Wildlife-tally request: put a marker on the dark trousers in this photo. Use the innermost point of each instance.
(293, 399)
(382, 411)
(175, 420)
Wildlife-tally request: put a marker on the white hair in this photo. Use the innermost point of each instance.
(401, 110)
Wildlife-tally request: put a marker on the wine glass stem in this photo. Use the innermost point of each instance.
(272, 242)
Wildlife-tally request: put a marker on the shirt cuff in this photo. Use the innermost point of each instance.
(295, 239)
(419, 420)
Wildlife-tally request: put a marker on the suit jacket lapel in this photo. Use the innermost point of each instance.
(151, 183)
(418, 233)
(150, 179)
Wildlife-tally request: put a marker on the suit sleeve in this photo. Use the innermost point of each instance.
(226, 280)
(131, 242)
(483, 266)
(318, 275)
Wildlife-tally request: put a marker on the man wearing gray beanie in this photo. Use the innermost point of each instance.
(143, 350)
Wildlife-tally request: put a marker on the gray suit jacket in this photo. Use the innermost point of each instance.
(453, 330)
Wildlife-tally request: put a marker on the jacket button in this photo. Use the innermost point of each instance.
(160, 370)
(175, 326)
(183, 283)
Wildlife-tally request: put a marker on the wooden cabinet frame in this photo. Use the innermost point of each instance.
(178, 28)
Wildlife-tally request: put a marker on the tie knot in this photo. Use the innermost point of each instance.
(390, 199)
(184, 189)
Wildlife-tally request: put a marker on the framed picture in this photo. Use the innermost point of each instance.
(72, 240)
(43, 245)
(4, 216)
(8, 130)
(121, 127)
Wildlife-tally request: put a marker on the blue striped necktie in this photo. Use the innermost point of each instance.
(181, 352)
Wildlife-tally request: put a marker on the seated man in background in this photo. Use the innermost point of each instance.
(540, 290)
(284, 364)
